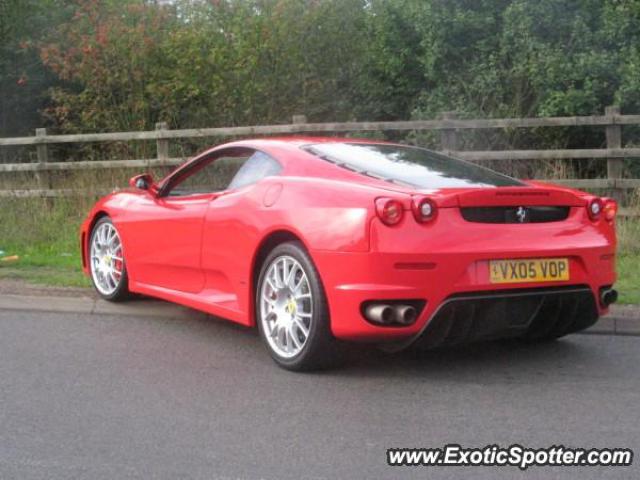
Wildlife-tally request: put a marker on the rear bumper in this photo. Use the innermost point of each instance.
(350, 279)
(530, 313)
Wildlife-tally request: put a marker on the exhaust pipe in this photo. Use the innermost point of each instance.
(608, 296)
(405, 314)
(379, 313)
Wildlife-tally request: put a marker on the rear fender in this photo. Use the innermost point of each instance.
(330, 215)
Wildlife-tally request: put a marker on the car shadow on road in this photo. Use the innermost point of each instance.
(573, 354)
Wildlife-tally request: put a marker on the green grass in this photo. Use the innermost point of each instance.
(628, 283)
(46, 264)
(628, 265)
(59, 277)
(44, 235)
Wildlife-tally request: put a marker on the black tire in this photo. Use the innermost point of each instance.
(321, 350)
(121, 293)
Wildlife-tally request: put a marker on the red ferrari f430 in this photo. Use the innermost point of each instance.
(317, 241)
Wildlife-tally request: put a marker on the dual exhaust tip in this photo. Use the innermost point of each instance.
(386, 314)
(403, 315)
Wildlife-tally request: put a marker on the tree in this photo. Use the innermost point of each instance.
(24, 81)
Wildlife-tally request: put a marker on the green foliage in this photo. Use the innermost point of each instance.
(204, 63)
(90, 65)
(24, 80)
(511, 57)
(126, 64)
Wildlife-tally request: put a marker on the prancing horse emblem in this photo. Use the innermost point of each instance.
(521, 213)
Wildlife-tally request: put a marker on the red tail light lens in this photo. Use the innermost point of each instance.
(424, 209)
(594, 209)
(390, 211)
(610, 209)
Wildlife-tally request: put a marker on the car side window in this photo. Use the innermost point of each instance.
(257, 167)
(230, 169)
(213, 176)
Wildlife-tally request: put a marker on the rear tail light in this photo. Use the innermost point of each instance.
(424, 209)
(610, 209)
(390, 211)
(594, 209)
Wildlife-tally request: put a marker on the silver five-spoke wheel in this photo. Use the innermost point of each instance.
(106, 259)
(286, 306)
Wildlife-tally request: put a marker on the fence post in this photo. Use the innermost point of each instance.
(449, 136)
(297, 119)
(615, 166)
(162, 144)
(42, 177)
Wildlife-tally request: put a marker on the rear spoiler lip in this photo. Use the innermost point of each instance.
(508, 196)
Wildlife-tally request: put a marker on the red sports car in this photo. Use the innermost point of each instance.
(321, 240)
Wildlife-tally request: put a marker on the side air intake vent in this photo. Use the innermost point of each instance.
(521, 214)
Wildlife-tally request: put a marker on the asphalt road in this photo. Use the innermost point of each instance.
(89, 396)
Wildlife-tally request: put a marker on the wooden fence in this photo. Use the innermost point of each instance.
(448, 126)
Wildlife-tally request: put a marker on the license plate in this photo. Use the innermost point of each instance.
(529, 270)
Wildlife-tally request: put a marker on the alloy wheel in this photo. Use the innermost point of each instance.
(107, 261)
(286, 309)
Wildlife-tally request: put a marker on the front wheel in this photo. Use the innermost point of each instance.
(106, 261)
(292, 312)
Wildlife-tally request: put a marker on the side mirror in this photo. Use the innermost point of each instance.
(142, 182)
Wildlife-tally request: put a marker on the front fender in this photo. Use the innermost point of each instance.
(112, 205)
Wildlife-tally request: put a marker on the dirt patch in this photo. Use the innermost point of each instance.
(10, 286)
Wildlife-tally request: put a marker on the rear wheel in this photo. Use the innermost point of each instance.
(106, 261)
(292, 312)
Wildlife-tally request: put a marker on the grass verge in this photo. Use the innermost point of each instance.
(628, 284)
(44, 236)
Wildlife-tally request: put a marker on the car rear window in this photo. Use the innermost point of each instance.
(413, 166)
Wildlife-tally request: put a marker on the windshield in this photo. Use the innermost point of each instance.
(413, 166)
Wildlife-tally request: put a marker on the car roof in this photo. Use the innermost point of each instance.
(283, 147)
(285, 143)
(301, 140)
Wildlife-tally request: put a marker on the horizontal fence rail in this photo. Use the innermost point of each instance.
(604, 120)
(448, 126)
(90, 165)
